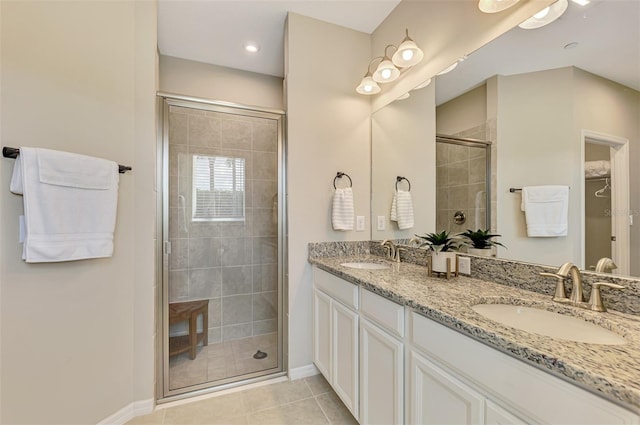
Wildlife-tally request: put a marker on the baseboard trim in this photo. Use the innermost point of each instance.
(303, 372)
(130, 411)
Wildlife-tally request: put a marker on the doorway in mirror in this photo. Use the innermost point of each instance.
(606, 212)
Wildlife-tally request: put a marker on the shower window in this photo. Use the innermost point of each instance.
(218, 188)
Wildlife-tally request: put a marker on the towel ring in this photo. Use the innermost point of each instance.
(340, 175)
(399, 179)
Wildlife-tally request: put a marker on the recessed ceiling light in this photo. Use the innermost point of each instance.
(581, 2)
(251, 47)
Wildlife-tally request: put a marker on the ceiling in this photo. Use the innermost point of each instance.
(214, 31)
(608, 37)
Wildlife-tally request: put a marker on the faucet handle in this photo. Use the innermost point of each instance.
(595, 300)
(560, 295)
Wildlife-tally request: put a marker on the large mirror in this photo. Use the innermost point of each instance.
(550, 100)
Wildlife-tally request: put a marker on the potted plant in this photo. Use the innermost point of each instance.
(442, 246)
(480, 242)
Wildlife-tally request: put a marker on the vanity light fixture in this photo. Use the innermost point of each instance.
(546, 15)
(368, 85)
(406, 55)
(386, 71)
(495, 6)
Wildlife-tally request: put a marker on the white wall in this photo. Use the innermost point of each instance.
(534, 152)
(185, 77)
(328, 131)
(77, 337)
(462, 113)
(404, 144)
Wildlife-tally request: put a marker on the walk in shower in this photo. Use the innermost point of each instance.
(463, 184)
(222, 217)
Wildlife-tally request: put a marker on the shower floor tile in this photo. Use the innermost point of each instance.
(223, 360)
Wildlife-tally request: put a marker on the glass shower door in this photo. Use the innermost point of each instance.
(222, 283)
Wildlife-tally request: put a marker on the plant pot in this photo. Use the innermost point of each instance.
(439, 261)
(481, 252)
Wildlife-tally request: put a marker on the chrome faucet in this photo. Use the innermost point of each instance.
(390, 247)
(577, 292)
(577, 295)
(605, 265)
(393, 251)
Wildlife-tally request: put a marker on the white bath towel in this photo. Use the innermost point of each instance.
(546, 210)
(402, 209)
(601, 168)
(70, 204)
(342, 214)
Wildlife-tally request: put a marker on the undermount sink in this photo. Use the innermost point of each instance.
(548, 323)
(366, 266)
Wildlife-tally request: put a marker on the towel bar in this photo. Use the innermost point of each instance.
(339, 175)
(13, 153)
(399, 179)
(514, 189)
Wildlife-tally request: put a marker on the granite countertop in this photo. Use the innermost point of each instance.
(612, 371)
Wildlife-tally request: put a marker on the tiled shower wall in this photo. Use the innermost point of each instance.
(232, 264)
(460, 186)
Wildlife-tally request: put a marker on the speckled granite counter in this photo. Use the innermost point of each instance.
(612, 371)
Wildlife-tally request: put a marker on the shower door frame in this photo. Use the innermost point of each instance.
(480, 144)
(164, 100)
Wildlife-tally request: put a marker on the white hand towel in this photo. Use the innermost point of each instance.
(546, 210)
(402, 209)
(70, 204)
(343, 211)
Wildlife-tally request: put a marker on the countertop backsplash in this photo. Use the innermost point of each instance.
(506, 272)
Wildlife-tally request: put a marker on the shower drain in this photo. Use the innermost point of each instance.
(259, 355)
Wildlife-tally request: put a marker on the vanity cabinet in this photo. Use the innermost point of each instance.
(508, 390)
(335, 335)
(391, 365)
(437, 397)
(381, 360)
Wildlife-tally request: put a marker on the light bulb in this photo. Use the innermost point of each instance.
(386, 74)
(368, 88)
(407, 55)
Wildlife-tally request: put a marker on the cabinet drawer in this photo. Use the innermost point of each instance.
(384, 312)
(340, 289)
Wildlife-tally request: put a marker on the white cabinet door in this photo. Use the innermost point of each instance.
(496, 415)
(344, 360)
(437, 397)
(322, 333)
(381, 376)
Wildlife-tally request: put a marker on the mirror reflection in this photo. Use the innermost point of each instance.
(551, 101)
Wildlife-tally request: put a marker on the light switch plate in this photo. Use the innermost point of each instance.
(382, 222)
(360, 223)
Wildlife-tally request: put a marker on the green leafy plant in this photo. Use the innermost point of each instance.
(481, 239)
(440, 242)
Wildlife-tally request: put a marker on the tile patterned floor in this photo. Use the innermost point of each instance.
(307, 401)
(223, 360)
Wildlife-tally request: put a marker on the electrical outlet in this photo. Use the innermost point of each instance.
(464, 265)
(360, 223)
(382, 222)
